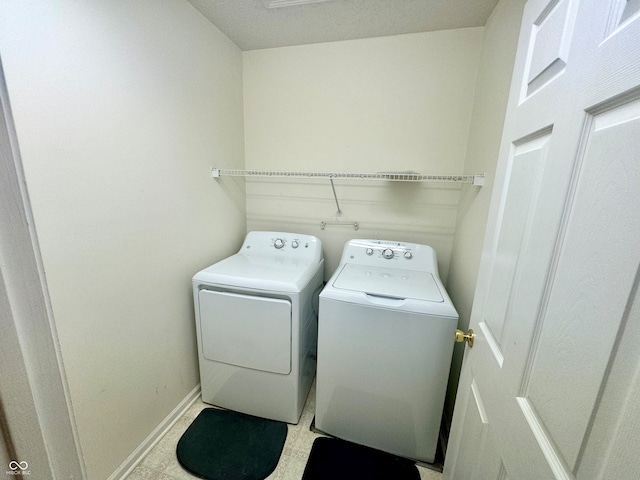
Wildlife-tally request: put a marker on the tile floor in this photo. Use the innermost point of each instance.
(161, 463)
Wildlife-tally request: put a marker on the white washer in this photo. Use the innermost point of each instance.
(256, 324)
(385, 341)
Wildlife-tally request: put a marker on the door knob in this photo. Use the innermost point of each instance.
(465, 337)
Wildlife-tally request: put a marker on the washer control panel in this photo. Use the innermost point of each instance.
(403, 255)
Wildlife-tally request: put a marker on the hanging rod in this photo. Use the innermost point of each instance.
(355, 225)
(477, 180)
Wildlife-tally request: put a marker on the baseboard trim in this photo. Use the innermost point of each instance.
(154, 437)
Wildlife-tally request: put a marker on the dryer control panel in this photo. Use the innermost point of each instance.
(407, 256)
(290, 245)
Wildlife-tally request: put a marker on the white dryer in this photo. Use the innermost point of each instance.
(256, 324)
(385, 342)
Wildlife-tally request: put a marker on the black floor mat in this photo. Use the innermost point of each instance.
(226, 445)
(333, 459)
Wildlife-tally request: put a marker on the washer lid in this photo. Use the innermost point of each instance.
(388, 282)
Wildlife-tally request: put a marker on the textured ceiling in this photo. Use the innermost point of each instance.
(251, 26)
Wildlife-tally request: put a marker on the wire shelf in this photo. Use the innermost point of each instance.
(384, 176)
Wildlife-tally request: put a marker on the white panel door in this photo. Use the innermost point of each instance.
(550, 388)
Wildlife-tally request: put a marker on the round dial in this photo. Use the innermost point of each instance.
(279, 243)
(295, 244)
(408, 255)
(387, 253)
(369, 251)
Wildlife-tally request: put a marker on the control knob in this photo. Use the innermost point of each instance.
(279, 243)
(387, 253)
(295, 244)
(369, 251)
(408, 255)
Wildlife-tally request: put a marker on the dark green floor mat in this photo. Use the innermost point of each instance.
(226, 445)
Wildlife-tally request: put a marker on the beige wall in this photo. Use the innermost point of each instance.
(121, 108)
(391, 103)
(492, 92)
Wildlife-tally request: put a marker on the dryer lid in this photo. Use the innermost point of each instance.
(388, 282)
(275, 273)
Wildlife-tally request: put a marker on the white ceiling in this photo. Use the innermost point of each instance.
(251, 26)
